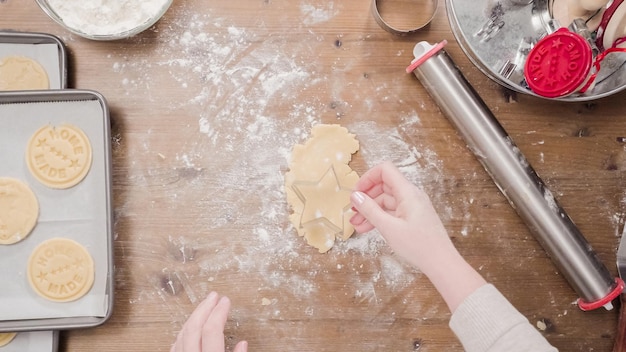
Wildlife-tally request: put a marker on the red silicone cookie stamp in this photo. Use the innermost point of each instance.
(559, 64)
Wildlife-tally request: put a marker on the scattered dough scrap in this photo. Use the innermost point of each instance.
(6, 338)
(19, 210)
(22, 73)
(541, 325)
(60, 270)
(59, 157)
(319, 184)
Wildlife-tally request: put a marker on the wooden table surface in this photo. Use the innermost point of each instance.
(205, 109)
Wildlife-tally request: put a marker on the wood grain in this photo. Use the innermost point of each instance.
(620, 339)
(205, 107)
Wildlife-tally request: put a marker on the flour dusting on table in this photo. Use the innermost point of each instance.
(313, 14)
(248, 102)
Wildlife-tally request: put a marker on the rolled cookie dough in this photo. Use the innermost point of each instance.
(60, 270)
(6, 338)
(319, 183)
(19, 210)
(22, 73)
(59, 156)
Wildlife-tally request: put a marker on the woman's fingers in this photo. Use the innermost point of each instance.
(190, 337)
(370, 180)
(360, 223)
(385, 184)
(370, 213)
(204, 329)
(242, 346)
(213, 328)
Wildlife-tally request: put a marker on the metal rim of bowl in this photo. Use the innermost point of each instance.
(45, 7)
(494, 76)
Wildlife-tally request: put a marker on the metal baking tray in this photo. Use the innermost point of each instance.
(82, 213)
(33, 341)
(48, 50)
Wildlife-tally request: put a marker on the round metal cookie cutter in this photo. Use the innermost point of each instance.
(427, 8)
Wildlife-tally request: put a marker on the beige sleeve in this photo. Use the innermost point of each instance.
(487, 322)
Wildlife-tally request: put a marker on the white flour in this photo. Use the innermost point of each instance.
(106, 17)
(250, 101)
(317, 14)
(249, 96)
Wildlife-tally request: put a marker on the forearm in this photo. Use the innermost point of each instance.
(451, 275)
(482, 318)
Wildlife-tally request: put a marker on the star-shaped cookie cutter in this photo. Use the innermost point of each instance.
(311, 215)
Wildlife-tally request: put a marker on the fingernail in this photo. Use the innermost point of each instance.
(212, 295)
(357, 197)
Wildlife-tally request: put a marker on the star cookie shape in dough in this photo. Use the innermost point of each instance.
(317, 166)
(325, 199)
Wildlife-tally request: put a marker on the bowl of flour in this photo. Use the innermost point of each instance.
(105, 19)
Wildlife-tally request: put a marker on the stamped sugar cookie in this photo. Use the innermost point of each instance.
(22, 73)
(319, 184)
(19, 210)
(60, 270)
(6, 338)
(59, 157)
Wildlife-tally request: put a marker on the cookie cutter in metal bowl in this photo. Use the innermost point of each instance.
(497, 35)
(140, 27)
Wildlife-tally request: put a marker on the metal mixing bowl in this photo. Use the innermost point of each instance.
(496, 43)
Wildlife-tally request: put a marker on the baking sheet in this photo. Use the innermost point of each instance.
(47, 50)
(33, 341)
(81, 213)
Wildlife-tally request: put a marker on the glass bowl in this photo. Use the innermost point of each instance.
(124, 28)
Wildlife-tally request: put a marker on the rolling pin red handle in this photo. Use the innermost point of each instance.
(424, 51)
(606, 300)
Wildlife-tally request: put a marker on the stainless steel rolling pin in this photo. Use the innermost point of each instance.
(515, 177)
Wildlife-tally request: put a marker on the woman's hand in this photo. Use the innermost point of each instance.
(386, 200)
(204, 330)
